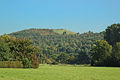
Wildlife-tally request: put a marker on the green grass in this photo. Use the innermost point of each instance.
(60, 72)
(60, 31)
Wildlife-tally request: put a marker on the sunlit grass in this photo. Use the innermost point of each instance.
(60, 72)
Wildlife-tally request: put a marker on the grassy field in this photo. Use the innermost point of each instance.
(60, 72)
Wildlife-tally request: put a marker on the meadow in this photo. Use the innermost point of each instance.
(61, 72)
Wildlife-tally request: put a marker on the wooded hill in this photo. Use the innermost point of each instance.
(60, 45)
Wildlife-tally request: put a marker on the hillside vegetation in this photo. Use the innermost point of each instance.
(61, 46)
(99, 49)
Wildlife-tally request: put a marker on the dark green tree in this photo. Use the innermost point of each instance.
(82, 58)
(115, 57)
(112, 34)
(72, 59)
(63, 58)
(26, 63)
(100, 53)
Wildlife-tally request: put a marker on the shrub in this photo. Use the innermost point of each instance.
(55, 63)
(11, 64)
(26, 63)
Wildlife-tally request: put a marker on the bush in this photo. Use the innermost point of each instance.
(26, 63)
(11, 64)
(55, 63)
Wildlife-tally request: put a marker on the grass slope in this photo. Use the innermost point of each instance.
(35, 32)
(60, 31)
(43, 32)
(50, 72)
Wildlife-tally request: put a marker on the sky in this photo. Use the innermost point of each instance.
(75, 15)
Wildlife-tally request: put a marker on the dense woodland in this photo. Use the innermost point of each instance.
(61, 46)
(107, 52)
(30, 47)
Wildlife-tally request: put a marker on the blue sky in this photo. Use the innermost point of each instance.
(75, 15)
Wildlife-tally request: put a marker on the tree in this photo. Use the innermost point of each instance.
(51, 44)
(5, 54)
(18, 49)
(112, 34)
(82, 58)
(100, 53)
(63, 58)
(116, 55)
(64, 32)
(72, 59)
(26, 63)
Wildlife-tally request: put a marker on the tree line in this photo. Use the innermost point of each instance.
(107, 52)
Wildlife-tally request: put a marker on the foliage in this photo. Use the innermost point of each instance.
(116, 55)
(53, 42)
(5, 54)
(71, 59)
(116, 51)
(63, 58)
(11, 64)
(103, 54)
(17, 49)
(82, 58)
(26, 63)
(100, 53)
(112, 34)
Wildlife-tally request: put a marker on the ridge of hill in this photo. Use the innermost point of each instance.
(61, 31)
(43, 32)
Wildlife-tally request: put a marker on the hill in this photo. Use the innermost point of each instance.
(35, 32)
(54, 43)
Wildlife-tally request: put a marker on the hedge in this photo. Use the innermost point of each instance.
(11, 64)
